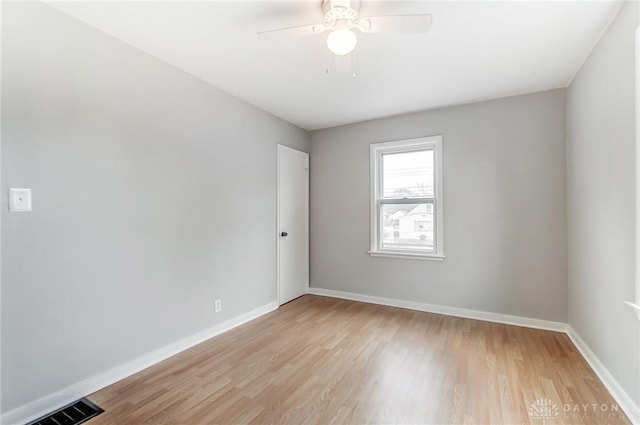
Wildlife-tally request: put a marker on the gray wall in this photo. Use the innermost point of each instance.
(601, 201)
(154, 193)
(504, 208)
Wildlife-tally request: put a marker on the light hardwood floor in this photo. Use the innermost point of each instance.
(319, 360)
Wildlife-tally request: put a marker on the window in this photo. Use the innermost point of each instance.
(406, 198)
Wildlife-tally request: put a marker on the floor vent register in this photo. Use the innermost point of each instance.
(75, 413)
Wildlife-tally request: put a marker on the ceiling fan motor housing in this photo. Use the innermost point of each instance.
(336, 11)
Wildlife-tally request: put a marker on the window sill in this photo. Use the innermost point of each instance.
(406, 255)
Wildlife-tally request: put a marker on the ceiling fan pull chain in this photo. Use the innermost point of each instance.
(353, 64)
(331, 62)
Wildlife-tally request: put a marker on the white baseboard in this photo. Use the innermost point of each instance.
(449, 311)
(621, 397)
(626, 403)
(51, 402)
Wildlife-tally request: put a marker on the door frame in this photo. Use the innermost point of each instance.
(283, 148)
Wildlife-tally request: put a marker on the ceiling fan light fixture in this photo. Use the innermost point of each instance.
(342, 41)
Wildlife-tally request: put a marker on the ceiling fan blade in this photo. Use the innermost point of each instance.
(418, 23)
(293, 31)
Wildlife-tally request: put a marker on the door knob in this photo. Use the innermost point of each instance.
(283, 234)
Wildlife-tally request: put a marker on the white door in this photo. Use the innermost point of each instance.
(293, 223)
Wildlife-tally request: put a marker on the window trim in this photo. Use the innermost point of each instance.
(376, 150)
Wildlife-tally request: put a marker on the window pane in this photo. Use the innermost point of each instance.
(407, 174)
(407, 226)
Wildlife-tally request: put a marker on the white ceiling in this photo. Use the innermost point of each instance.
(475, 51)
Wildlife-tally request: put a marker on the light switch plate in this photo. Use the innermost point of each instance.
(19, 200)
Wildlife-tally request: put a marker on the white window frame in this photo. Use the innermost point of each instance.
(409, 145)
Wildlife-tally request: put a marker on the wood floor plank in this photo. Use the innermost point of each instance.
(320, 360)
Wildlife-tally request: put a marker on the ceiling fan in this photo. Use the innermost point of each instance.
(341, 18)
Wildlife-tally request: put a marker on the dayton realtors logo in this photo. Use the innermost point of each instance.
(543, 409)
(602, 413)
(546, 410)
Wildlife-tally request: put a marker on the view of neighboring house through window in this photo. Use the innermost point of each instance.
(406, 212)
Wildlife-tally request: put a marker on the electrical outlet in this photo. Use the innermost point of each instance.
(218, 306)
